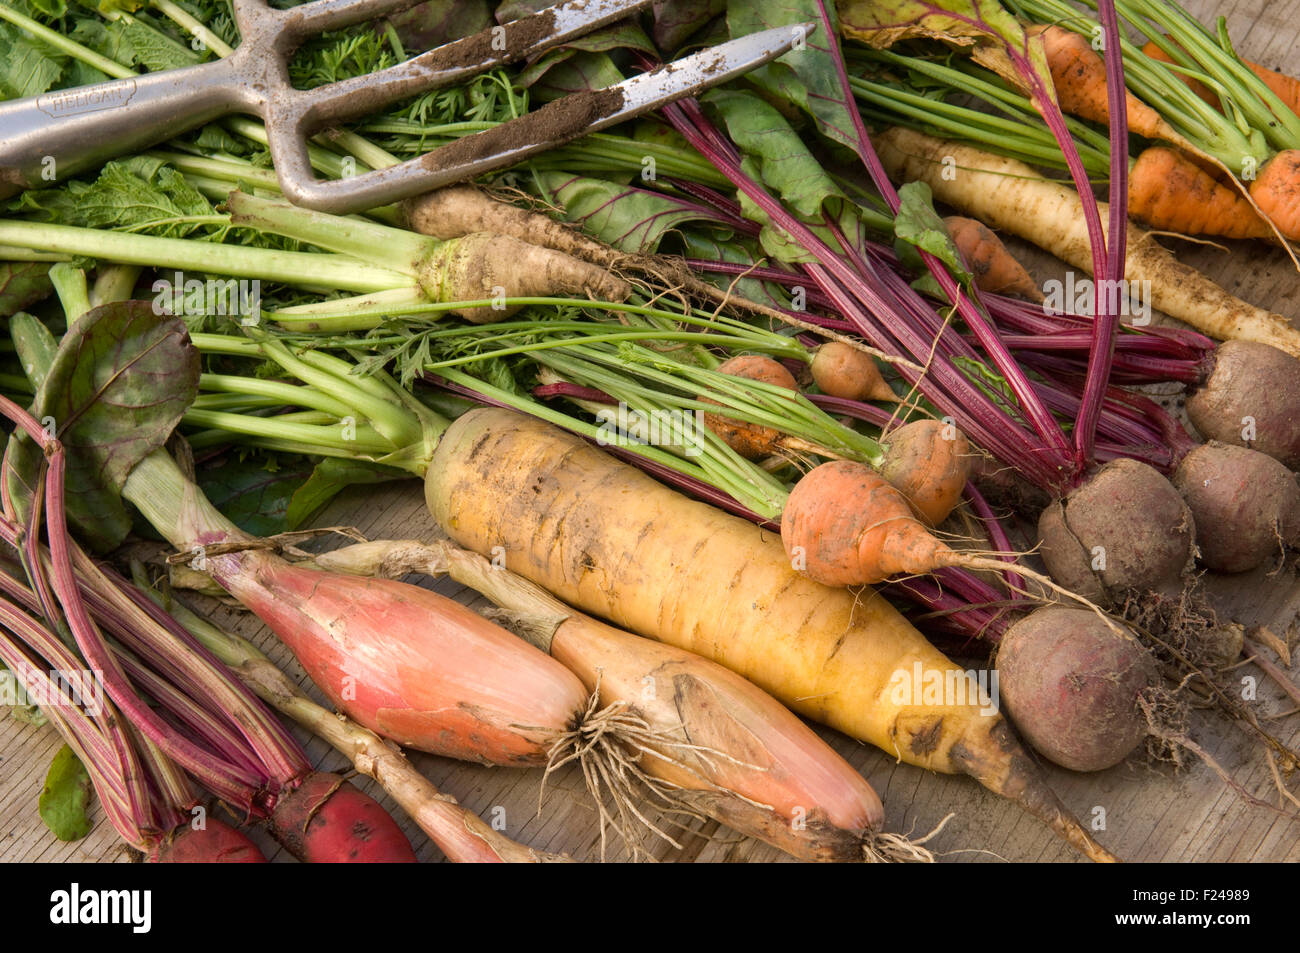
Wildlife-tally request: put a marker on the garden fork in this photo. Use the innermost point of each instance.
(71, 130)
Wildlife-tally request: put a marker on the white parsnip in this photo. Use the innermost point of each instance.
(1010, 195)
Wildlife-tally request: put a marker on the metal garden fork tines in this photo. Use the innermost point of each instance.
(81, 128)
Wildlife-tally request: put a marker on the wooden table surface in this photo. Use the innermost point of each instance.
(1150, 814)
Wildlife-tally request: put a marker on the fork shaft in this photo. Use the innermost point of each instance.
(44, 139)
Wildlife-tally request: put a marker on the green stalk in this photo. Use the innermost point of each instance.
(114, 283)
(1157, 86)
(1231, 78)
(408, 429)
(389, 419)
(1021, 133)
(14, 253)
(367, 442)
(227, 170)
(395, 249)
(234, 403)
(70, 286)
(721, 465)
(192, 26)
(766, 505)
(277, 392)
(757, 402)
(626, 153)
(301, 269)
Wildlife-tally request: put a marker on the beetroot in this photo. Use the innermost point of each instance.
(1125, 530)
(1251, 399)
(325, 820)
(1246, 505)
(1071, 685)
(214, 843)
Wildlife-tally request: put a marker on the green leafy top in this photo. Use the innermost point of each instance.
(119, 384)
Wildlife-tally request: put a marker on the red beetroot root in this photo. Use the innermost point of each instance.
(1246, 505)
(325, 820)
(1251, 399)
(214, 843)
(1126, 530)
(1071, 685)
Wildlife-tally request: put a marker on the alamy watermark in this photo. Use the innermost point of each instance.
(1128, 299)
(626, 426)
(75, 906)
(221, 297)
(946, 687)
(49, 690)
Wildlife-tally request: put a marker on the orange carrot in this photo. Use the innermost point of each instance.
(846, 525)
(751, 441)
(1196, 86)
(994, 268)
(1169, 191)
(1080, 79)
(929, 462)
(1277, 192)
(1284, 87)
(842, 370)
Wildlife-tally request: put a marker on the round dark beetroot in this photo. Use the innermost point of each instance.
(1246, 505)
(1251, 399)
(1071, 685)
(1126, 530)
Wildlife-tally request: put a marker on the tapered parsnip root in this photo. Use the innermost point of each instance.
(709, 741)
(1010, 195)
(485, 265)
(606, 538)
(994, 757)
(464, 209)
(458, 210)
(475, 266)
